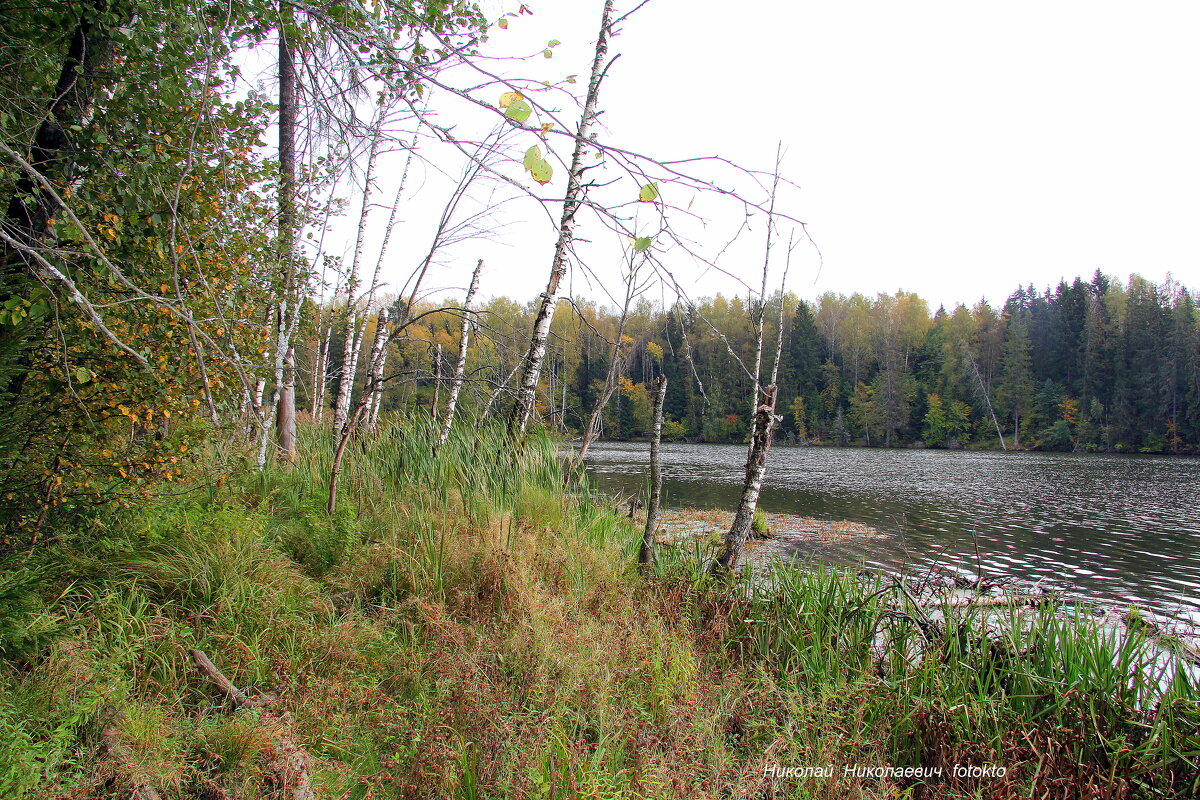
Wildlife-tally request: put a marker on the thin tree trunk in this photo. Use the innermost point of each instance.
(592, 429)
(646, 554)
(374, 383)
(536, 355)
(318, 373)
(986, 399)
(756, 470)
(460, 367)
(375, 368)
(437, 381)
(487, 407)
(356, 332)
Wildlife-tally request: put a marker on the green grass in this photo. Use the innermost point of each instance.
(461, 627)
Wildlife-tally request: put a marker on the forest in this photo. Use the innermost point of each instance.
(1095, 366)
(286, 517)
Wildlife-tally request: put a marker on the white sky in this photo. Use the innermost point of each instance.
(954, 149)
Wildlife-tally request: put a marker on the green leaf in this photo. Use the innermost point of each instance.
(641, 244)
(548, 53)
(82, 374)
(503, 22)
(553, 43)
(572, 78)
(519, 110)
(532, 156)
(649, 193)
(542, 172)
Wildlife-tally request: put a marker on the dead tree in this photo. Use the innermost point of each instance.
(460, 367)
(646, 554)
(532, 365)
(756, 470)
(375, 369)
(592, 429)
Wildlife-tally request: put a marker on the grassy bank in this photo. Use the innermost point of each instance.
(460, 628)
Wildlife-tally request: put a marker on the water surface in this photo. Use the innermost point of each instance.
(1120, 529)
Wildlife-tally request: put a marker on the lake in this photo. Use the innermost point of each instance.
(1119, 529)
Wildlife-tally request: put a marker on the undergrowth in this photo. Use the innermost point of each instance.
(462, 627)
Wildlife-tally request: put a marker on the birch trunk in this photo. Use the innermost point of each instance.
(356, 330)
(756, 470)
(532, 365)
(437, 382)
(341, 409)
(460, 367)
(646, 554)
(986, 399)
(318, 373)
(375, 369)
(374, 384)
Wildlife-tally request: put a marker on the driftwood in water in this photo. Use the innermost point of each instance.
(1160, 636)
(646, 555)
(289, 766)
(992, 601)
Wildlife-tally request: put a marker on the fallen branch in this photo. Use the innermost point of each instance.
(289, 763)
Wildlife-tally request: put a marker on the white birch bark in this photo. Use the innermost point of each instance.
(375, 369)
(534, 358)
(341, 409)
(646, 554)
(756, 470)
(437, 381)
(460, 367)
(356, 329)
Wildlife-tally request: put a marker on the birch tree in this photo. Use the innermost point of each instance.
(460, 366)
(532, 366)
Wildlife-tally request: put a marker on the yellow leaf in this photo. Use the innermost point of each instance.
(508, 98)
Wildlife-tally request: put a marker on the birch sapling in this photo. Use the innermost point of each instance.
(341, 407)
(646, 554)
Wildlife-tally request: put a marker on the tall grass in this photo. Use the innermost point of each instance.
(461, 626)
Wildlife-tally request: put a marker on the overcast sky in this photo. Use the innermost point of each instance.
(954, 149)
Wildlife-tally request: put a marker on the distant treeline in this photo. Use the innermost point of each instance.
(1099, 365)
